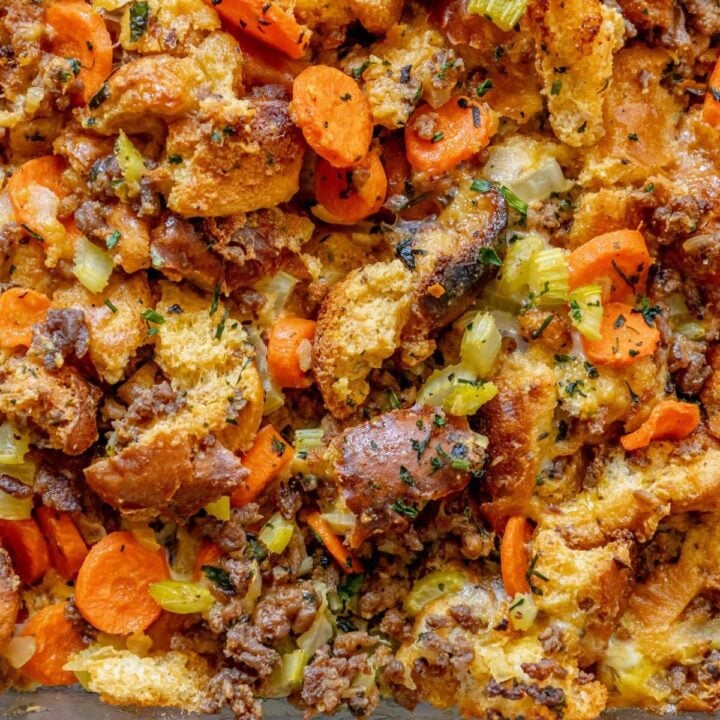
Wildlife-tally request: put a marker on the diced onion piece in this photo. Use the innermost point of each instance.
(219, 508)
(145, 535)
(586, 310)
(274, 398)
(18, 650)
(515, 268)
(12, 508)
(24, 472)
(277, 291)
(93, 266)
(342, 523)
(276, 534)
(523, 611)
(180, 597)
(439, 385)
(466, 397)
(288, 674)
(549, 276)
(109, 5)
(13, 444)
(317, 634)
(504, 13)
(308, 439)
(481, 343)
(432, 586)
(132, 165)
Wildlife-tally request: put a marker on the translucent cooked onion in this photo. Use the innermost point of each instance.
(93, 265)
(13, 444)
(18, 650)
(12, 508)
(276, 533)
(481, 343)
(180, 597)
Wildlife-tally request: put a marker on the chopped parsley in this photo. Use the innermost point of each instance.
(489, 256)
(139, 12)
(220, 329)
(153, 316)
(406, 477)
(109, 303)
(480, 186)
(484, 87)
(113, 239)
(437, 137)
(220, 577)
(277, 446)
(402, 508)
(648, 311)
(175, 159)
(556, 87)
(99, 97)
(538, 333)
(513, 200)
(350, 587)
(215, 299)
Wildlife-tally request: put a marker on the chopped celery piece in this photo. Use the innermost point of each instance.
(439, 385)
(549, 277)
(131, 164)
(288, 674)
(432, 586)
(467, 396)
(13, 444)
(515, 268)
(24, 472)
(93, 266)
(318, 633)
(343, 523)
(481, 343)
(308, 439)
(220, 508)
(180, 597)
(277, 291)
(586, 310)
(277, 533)
(12, 508)
(504, 13)
(523, 611)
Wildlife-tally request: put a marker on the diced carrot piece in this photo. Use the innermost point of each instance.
(345, 559)
(668, 420)
(514, 561)
(284, 347)
(27, 548)
(20, 309)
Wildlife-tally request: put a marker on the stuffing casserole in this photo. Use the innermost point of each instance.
(361, 348)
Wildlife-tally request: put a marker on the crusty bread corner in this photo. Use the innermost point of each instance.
(172, 679)
(359, 327)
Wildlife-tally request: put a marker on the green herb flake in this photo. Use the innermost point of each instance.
(139, 13)
(403, 508)
(175, 159)
(153, 316)
(214, 303)
(437, 137)
(479, 185)
(488, 256)
(99, 97)
(556, 87)
(277, 446)
(513, 200)
(220, 577)
(484, 87)
(113, 239)
(536, 334)
(406, 477)
(110, 305)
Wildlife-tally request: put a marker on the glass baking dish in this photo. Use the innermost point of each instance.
(75, 704)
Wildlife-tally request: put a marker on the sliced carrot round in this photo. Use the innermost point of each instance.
(333, 114)
(81, 34)
(621, 257)
(625, 337)
(27, 548)
(20, 309)
(514, 556)
(711, 107)
(67, 547)
(284, 346)
(56, 640)
(344, 558)
(266, 22)
(265, 460)
(46, 171)
(112, 586)
(350, 195)
(438, 140)
(668, 420)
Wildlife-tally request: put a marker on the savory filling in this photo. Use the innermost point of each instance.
(361, 349)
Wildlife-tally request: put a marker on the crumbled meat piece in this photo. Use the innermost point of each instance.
(91, 219)
(289, 499)
(328, 678)
(230, 535)
(687, 361)
(397, 625)
(704, 16)
(350, 643)
(679, 218)
(427, 456)
(286, 608)
(226, 687)
(104, 176)
(380, 592)
(11, 234)
(548, 696)
(63, 334)
(61, 405)
(86, 631)
(180, 252)
(544, 669)
(552, 639)
(244, 646)
(465, 617)
(14, 487)
(57, 489)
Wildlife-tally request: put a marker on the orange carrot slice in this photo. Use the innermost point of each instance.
(438, 140)
(67, 547)
(345, 559)
(46, 171)
(625, 337)
(284, 347)
(333, 114)
(514, 556)
(266, 22)
(668, 420)
(27, 548)
(266, 458)
(111, 590)
(81, 34)
(621, 256)
(56, 640)
(711, 106)
(20, 309)
(350, 195)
